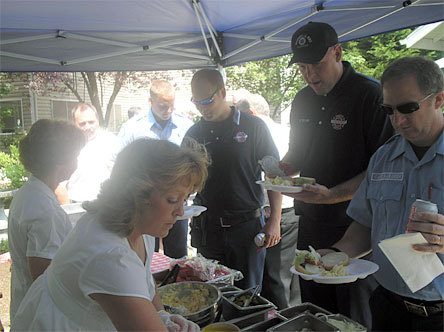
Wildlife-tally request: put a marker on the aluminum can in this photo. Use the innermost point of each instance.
(422, 206)
(259, 240)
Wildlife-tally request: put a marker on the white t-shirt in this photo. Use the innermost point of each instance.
(92, 260)
(94, 166)
(37, 227)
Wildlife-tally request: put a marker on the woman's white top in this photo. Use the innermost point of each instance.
(91, 260)
(37, 227)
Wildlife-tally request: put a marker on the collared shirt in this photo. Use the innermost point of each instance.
(395, 179)
(94, 165)
(147, 126)
(332, 138)
(235, 146)
(37, 227)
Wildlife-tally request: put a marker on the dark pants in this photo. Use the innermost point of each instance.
(351, 299)
(234, 247)
(280, 286)
(175, 243)
(391, 315)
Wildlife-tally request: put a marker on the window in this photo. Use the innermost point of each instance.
(11, 115)
(61, 109)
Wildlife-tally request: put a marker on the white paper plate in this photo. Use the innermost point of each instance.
(281, 189)
(191, 211)
(358, 268)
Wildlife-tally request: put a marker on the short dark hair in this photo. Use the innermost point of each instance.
(211, 76)
(49, 143)
(427, 73)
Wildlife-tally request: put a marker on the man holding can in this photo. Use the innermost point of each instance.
(408, 167)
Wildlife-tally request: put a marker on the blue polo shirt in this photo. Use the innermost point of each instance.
(147, 126)
(395, 179)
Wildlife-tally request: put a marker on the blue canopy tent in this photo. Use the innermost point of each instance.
(108, 35)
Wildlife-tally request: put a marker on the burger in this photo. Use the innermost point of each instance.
(311, 262)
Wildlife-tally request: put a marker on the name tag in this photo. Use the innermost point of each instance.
(304, 120)
(398, 176)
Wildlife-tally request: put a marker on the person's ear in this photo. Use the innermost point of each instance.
(338, 52)
(439, 100)
(223, 92)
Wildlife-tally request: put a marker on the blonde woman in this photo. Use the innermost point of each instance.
(100, 278)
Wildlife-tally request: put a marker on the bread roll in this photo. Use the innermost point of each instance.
(331, 259)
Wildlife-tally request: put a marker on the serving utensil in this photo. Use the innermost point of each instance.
(253, 294)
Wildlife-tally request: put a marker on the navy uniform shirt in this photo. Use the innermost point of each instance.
(333, 137)
(235, 146)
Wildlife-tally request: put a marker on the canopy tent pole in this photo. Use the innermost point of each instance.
(201, 28)
(25, 39)
(403, 6)
(265, 37)
(210, 28)
(29, 57)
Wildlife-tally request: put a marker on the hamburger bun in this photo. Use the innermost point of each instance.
(309, 269)
(331, 259)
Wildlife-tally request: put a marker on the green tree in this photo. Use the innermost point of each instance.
(270, 78)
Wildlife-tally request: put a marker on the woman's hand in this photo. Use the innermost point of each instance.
(177, 323)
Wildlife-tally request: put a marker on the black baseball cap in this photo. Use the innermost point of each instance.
(311, 41)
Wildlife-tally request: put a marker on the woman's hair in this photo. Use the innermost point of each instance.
(50, 143)
(142, 167)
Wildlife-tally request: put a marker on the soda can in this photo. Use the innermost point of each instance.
(422, 206)
(259, 240)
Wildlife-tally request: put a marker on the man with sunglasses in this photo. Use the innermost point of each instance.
(335, 128)
(161, 122)
(409, 166)
(235, 142)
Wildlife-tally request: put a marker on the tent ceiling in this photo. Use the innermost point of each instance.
(106, 35)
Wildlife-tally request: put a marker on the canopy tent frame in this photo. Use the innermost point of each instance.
(214, 53)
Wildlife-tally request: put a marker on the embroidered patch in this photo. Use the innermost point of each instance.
(302, 41)
(338, 121)
(240, 137)
(399, 176)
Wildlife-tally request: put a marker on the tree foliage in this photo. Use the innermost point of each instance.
(278, 84)
(45, 83)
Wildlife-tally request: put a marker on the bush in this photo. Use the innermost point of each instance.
(4, 246)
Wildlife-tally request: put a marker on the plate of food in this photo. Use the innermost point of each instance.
(191, 211)
(286, 184)
(332, 268)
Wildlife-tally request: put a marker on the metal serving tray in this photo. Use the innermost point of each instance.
(306, 307)
(232, 310)
(304, 322)
(247, 320)
(265, 325)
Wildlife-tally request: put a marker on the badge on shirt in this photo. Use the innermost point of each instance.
(338, 121)
(240, 137)
(388, 176)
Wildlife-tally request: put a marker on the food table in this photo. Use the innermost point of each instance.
(229, 306)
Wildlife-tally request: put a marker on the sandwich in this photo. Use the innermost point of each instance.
(311, 262)
(289, 181)
(307, 261)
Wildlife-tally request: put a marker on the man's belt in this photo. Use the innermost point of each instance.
(232, 219)
(416, 306)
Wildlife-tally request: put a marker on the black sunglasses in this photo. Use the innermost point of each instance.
(406, 108)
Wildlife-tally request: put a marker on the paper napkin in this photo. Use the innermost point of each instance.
(416, 268)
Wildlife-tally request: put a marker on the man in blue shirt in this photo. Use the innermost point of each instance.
(161, 122)
(409, 166)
